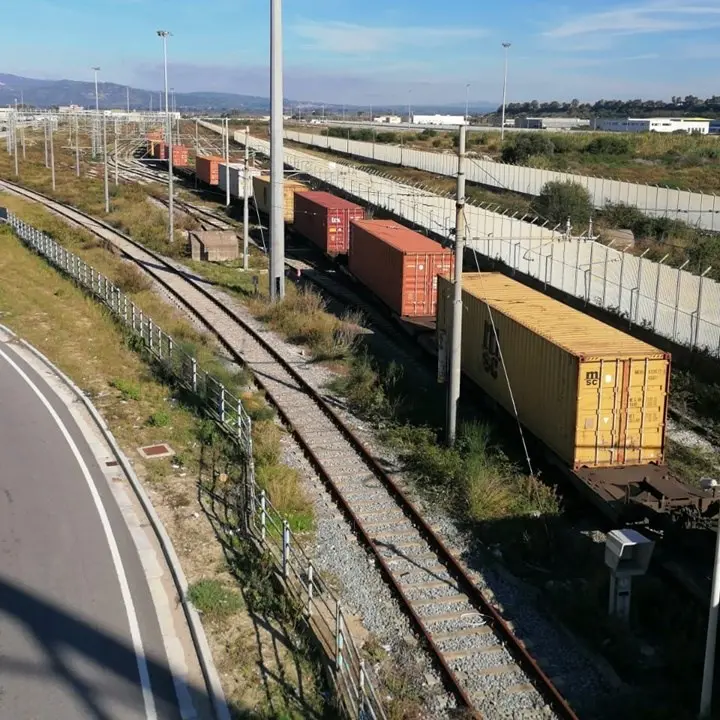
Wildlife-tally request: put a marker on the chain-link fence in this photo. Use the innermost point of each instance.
(254, 515)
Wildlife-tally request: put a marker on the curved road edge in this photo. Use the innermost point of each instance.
(197, 633)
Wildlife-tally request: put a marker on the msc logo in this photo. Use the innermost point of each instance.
(491, 350)
(592, 378)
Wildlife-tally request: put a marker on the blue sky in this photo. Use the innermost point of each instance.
(377, 51)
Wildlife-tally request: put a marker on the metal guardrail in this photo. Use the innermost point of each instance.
(265, 525)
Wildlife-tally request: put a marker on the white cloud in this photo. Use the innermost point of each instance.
(653, 17)
(352, 39)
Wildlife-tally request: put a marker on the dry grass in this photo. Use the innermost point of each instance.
(301, 317)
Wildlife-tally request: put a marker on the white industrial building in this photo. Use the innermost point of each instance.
(388, 119)
(438, 120)
(551, 123)
(662, 125)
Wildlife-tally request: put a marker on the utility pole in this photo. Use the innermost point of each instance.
(246, 203)
(77, 146)
(15, 147)
(456, 328)
(277, 168)
(45, 128)
(197, 147)
(96, 124)
(226, 146)
(116, 154)
(506, 45)
(168, 124)
(52, 156)
(22, 137)
(467, 103)
(105, 163)
(128, 99)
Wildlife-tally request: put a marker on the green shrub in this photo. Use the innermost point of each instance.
(559, 201)
(128, 390)
(213, 599)
(159, 419)
(517, 150)
(428, 133)
(608, 145)
(387, 137)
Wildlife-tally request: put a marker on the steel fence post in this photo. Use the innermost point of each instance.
(677, 298)
(263, 515)
(285, 549)
(338, 637)
(222, 404)
(310, 589)
(193, 363)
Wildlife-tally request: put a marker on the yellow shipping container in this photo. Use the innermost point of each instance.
(261, 189)
(593, 394)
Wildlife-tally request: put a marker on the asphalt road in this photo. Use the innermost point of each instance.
(79, 635)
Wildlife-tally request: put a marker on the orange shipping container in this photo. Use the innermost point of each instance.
(180, 155)
(593, 394)
(399, 265)
(325, 218)
(207, 168)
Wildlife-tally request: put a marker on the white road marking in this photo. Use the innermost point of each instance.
(148, 699)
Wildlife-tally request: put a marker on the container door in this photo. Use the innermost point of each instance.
(621, 412)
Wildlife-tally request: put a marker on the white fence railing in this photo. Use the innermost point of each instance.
(673, 303)
(256, 516)
(695, 208)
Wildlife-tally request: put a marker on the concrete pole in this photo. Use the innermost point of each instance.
(227, 162)
(467, 102)
(15, 147)
(277, 219)
(197, 148)
(709, 666)
(128, 99)
(116, 155)
(506, 45)
(77, 146)
(105, 165)
(96, 123)
(52, 156)
(456, 338)
(168, 125)
(246, 203)
(47, 157)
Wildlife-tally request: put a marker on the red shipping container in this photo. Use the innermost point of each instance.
(207, 168)
(159, 151)
(399, 265)
(180, 155)
(325, 219)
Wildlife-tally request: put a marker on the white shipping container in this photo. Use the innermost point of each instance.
(237, 176)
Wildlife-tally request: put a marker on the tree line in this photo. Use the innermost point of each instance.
(677, 105)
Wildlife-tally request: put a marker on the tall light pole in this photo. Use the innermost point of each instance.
(164, 34)
(410, 107)
(246, 204)
(127, 90)
(467, 103)
(456, 325)
(96, 129)
(506, 45)
(277, 219)
(105, 164)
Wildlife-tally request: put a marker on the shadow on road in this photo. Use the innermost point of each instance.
(64, 638)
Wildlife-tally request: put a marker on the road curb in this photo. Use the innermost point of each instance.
(202, 648)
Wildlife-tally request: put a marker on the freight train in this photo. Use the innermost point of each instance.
(594, 398)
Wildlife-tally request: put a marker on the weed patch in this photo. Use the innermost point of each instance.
(128, 389)
(213, 600)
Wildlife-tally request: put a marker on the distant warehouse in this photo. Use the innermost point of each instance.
(700, 126)
(551, 123)
(438, 120)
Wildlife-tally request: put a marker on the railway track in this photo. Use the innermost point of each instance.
(483, 663)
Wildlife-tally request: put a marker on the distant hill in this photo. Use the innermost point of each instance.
(49, 93)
